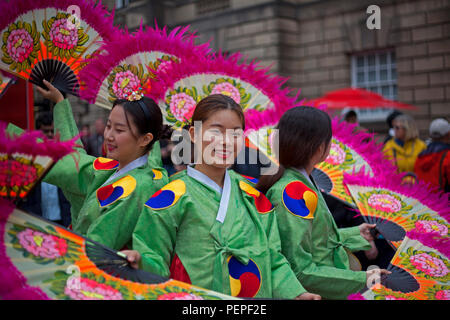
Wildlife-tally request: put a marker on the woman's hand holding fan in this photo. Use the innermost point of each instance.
(52, 94)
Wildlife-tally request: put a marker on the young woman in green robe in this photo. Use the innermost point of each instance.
(209, 226)
(107, 195)
(316, 249)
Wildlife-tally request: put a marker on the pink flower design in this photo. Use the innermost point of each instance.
(431, 226)
(443, 295)
(23, 174)
(179, 296)
(19, 45)
(164, 66)
(124, 83)
(86, 289)
(430, 265)
(227, 89)
(384, 202)
(63, 37)
(389, 297)
(182, 106)
(337, 155)
(42, 245)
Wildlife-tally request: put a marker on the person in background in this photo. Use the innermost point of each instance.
(95, 142)
(47, 200)
(433, 164)
(389, 120)
(405, 146)
(351, 117)
(166, 150)
(85, 135)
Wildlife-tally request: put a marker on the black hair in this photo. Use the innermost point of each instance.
(145, 122)
(300, 132)
(44, 119)
(350, 114)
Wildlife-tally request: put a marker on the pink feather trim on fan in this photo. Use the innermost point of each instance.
(234, 65)
(96, 15)
(356, 296)
(433, 240)
(421, 191)
(179, 43)
(27, 143)
(363, 143)
(13, 285)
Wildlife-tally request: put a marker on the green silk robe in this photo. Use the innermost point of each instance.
(230, 246)
(102, 210)
(311, 241)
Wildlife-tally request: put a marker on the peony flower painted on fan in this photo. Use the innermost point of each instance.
(179, 296)
(426, 226)
(227, 89)
(384, 202)
(23, 174)
(164, 65)
(42, 245)
(337, 155)
(62, 36)
(61, 40)
(182, 106)
(443, 295)
(20, 45)
(125, 82)
(430, 265)
(86, 289)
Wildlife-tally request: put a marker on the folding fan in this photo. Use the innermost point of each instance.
(40, 260)
(396, 208)
(183, 85)
(25, 159)
(131, 60)
(351, 151)
(420, 270)
(6, 80)
(47, 39)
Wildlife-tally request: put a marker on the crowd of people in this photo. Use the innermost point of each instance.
(206, 224)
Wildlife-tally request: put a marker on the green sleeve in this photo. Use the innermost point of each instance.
(297, 246)
(13, 129)
(285, 284)
(351, 239)
(114, 227)
(73, 177)
(155, 235)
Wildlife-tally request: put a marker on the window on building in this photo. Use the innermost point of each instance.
(122, 3)
(375, 72)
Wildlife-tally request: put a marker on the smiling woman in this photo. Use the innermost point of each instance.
(209, 226)
(107, 194)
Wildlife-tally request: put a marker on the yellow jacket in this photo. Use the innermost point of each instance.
(404, 157)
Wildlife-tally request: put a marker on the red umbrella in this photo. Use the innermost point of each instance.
(357, 98)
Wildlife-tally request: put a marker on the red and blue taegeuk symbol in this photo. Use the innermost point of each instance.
(167, 196)
(120, 189)
(251, 179)
(245, 280)
(105, 164)
(300, 200)
(262, 204)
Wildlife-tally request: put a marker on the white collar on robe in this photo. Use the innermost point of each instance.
(132, 165)
(303, 172)
(225, 192)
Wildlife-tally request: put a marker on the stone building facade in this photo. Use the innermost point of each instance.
(322, 45)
